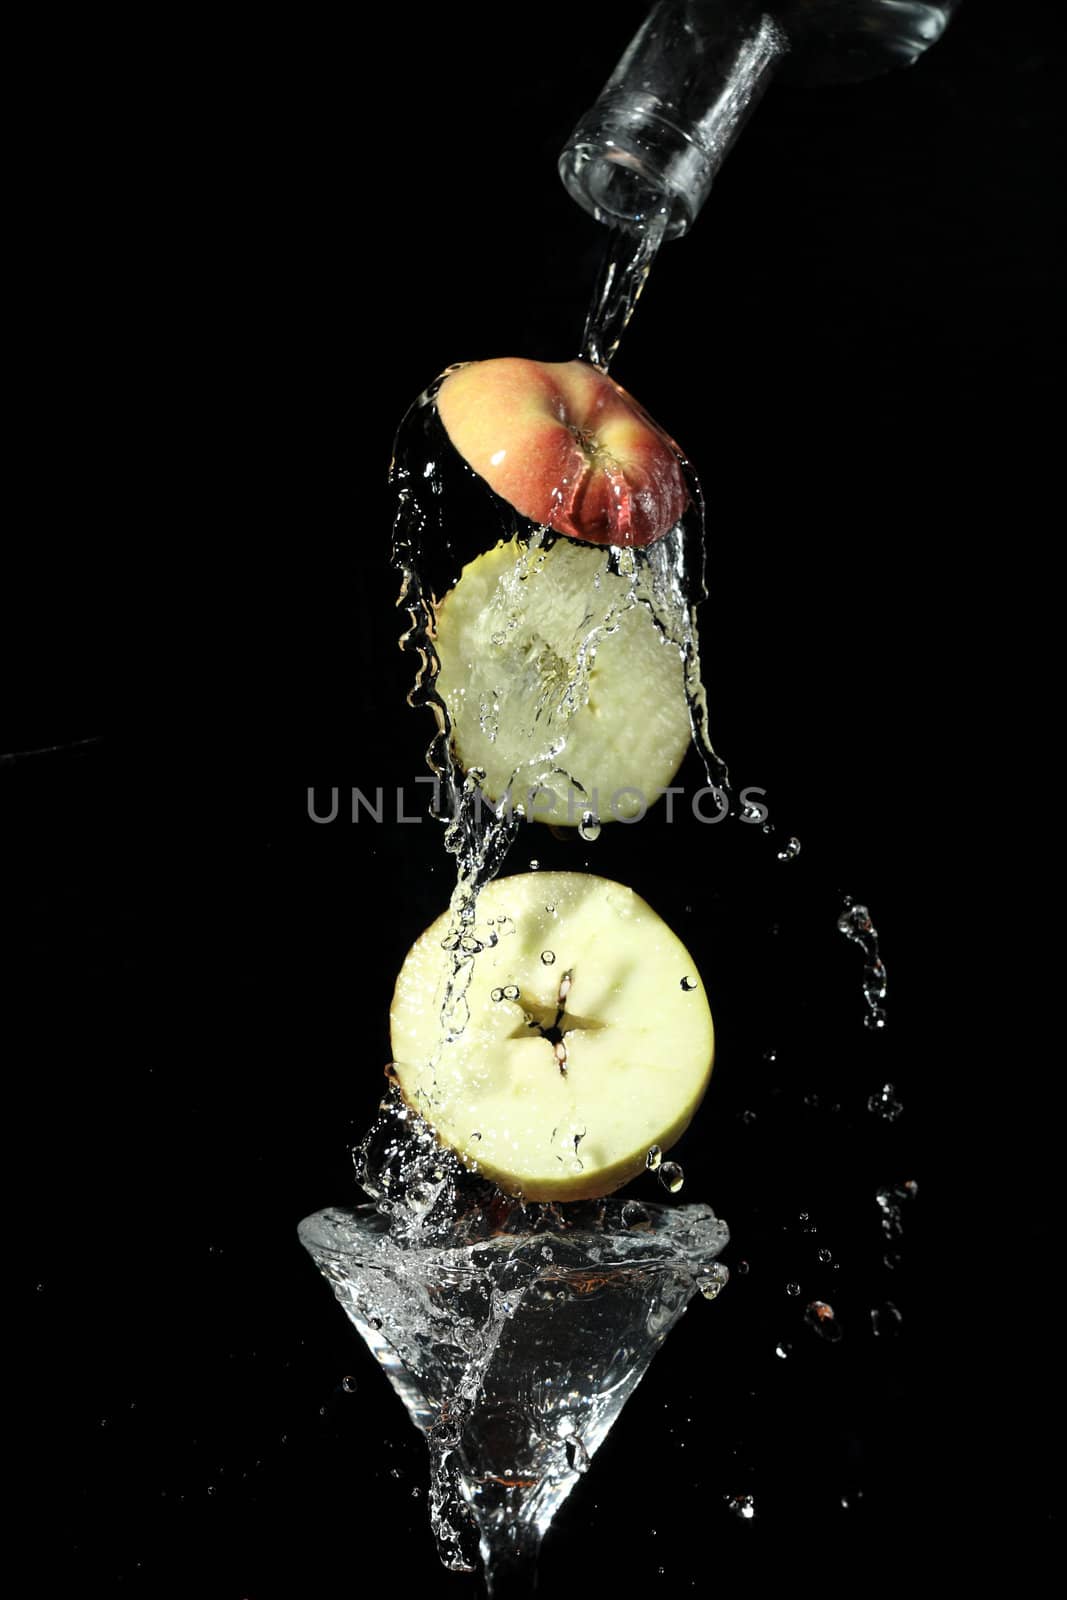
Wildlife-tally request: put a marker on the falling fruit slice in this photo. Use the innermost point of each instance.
(557, 679)
(583, 1037)
(567, 446)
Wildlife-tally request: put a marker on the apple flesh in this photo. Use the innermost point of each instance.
(567, 447)
(559, 685)
(586, 1036)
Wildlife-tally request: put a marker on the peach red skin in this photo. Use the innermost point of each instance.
(567, 447)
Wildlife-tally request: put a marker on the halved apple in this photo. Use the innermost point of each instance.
(567, 447)
(582, 1039)
(558, 680)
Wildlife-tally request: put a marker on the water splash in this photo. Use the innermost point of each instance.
(890, 1203)
(855, 923)
(461, 1325)
(884, 1103)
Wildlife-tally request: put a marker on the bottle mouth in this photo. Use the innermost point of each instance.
(619, 187)
(670, 113)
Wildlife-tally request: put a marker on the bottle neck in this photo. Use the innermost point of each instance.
(670, 113)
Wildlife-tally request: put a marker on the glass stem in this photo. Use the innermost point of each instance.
(510, 1561)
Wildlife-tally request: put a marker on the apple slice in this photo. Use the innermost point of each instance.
(567, 447)
(583, 1037)
(557, 678)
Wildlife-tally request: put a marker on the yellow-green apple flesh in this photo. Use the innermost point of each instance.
(585, 1036)
(559, 685)
(567, 447)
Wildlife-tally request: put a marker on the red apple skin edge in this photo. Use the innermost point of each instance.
(567, 447)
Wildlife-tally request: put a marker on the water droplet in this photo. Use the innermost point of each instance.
(770, 1055)
(743, 1268)
(748, 1118)
(420, 1197)
(885, 1103)
(712, 1282)
(855, 923)
(790, 850)
(349, 1385)
(689, 983)
(885, 1320)
(548, 957)
(824, 1255)
(671, 1176)
(497, 994)
(892, 1260)
(511, 992)
(782, 1350)
(634, 1215)
(374, 1322)
(653, 1158)
(792, 1288)
(469, 1338)
(589, 827)
(820, 1316)
(535, 866)
(211, 1488)
(742, 1505)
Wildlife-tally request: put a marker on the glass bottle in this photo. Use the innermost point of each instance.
(690, 78)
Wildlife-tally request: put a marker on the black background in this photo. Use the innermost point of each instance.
(241, 261)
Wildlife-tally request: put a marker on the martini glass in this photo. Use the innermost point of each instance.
(515, 1354)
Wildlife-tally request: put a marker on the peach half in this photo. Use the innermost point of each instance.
(567, 447)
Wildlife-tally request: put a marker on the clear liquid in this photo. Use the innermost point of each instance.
(514, 1349)
(623, 274)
